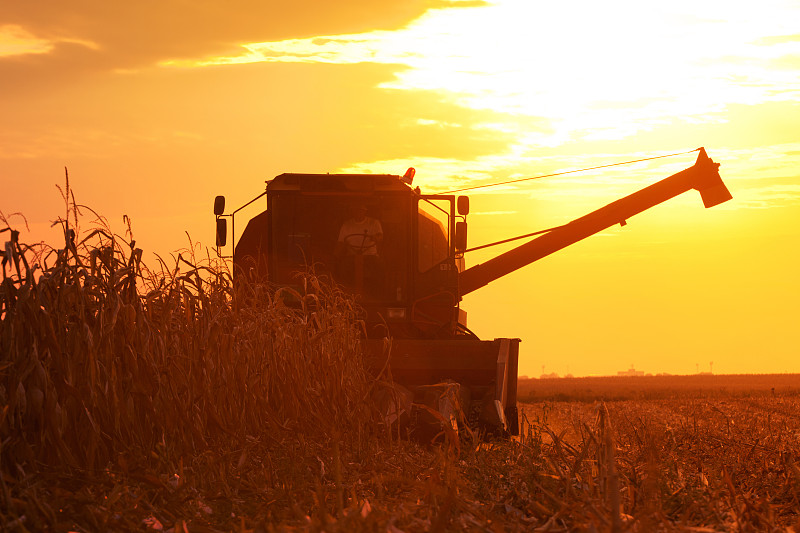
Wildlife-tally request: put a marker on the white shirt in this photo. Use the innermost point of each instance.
(360, 236)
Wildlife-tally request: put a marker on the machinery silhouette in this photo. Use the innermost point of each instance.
(412, 285)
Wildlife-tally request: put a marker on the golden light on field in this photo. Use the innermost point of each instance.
(157, 109)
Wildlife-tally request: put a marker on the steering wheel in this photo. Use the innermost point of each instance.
(358, 243)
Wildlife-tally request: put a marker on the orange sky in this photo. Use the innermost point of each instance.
(156, 107)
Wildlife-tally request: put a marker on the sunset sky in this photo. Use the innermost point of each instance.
(157, 106)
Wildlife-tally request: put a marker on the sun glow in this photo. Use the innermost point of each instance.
(603, 71)
(550, 74)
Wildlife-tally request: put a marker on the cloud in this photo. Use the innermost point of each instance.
(493, 213)
(466, 95)
(65, 63)
(768, 197)
(15, 41)
(790, 62)
(778, 39)
(533, 168)
(52, 43)
(147, 31)
(587, 80)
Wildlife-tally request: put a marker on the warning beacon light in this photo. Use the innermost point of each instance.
(408, 177)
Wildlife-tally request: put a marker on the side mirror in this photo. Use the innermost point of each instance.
(219, 205)
(462, 203)
(461, 236)
(222, 230)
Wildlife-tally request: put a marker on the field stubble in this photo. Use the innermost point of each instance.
(688, 463)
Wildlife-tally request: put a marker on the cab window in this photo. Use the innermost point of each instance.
(432, 232)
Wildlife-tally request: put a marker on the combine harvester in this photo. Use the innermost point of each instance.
(411, 277)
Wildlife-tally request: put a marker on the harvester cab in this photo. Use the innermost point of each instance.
(388, 244)
(401, 253)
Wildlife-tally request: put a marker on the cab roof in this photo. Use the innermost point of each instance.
(338, 183)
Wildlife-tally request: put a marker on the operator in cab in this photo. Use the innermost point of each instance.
(358, 262)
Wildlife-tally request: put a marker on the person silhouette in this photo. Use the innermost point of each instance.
(357, 247)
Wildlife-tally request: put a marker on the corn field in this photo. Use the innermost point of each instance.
(170, 399)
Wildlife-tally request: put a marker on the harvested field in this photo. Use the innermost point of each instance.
(689, 463)
(136, 399)
(591, 389)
